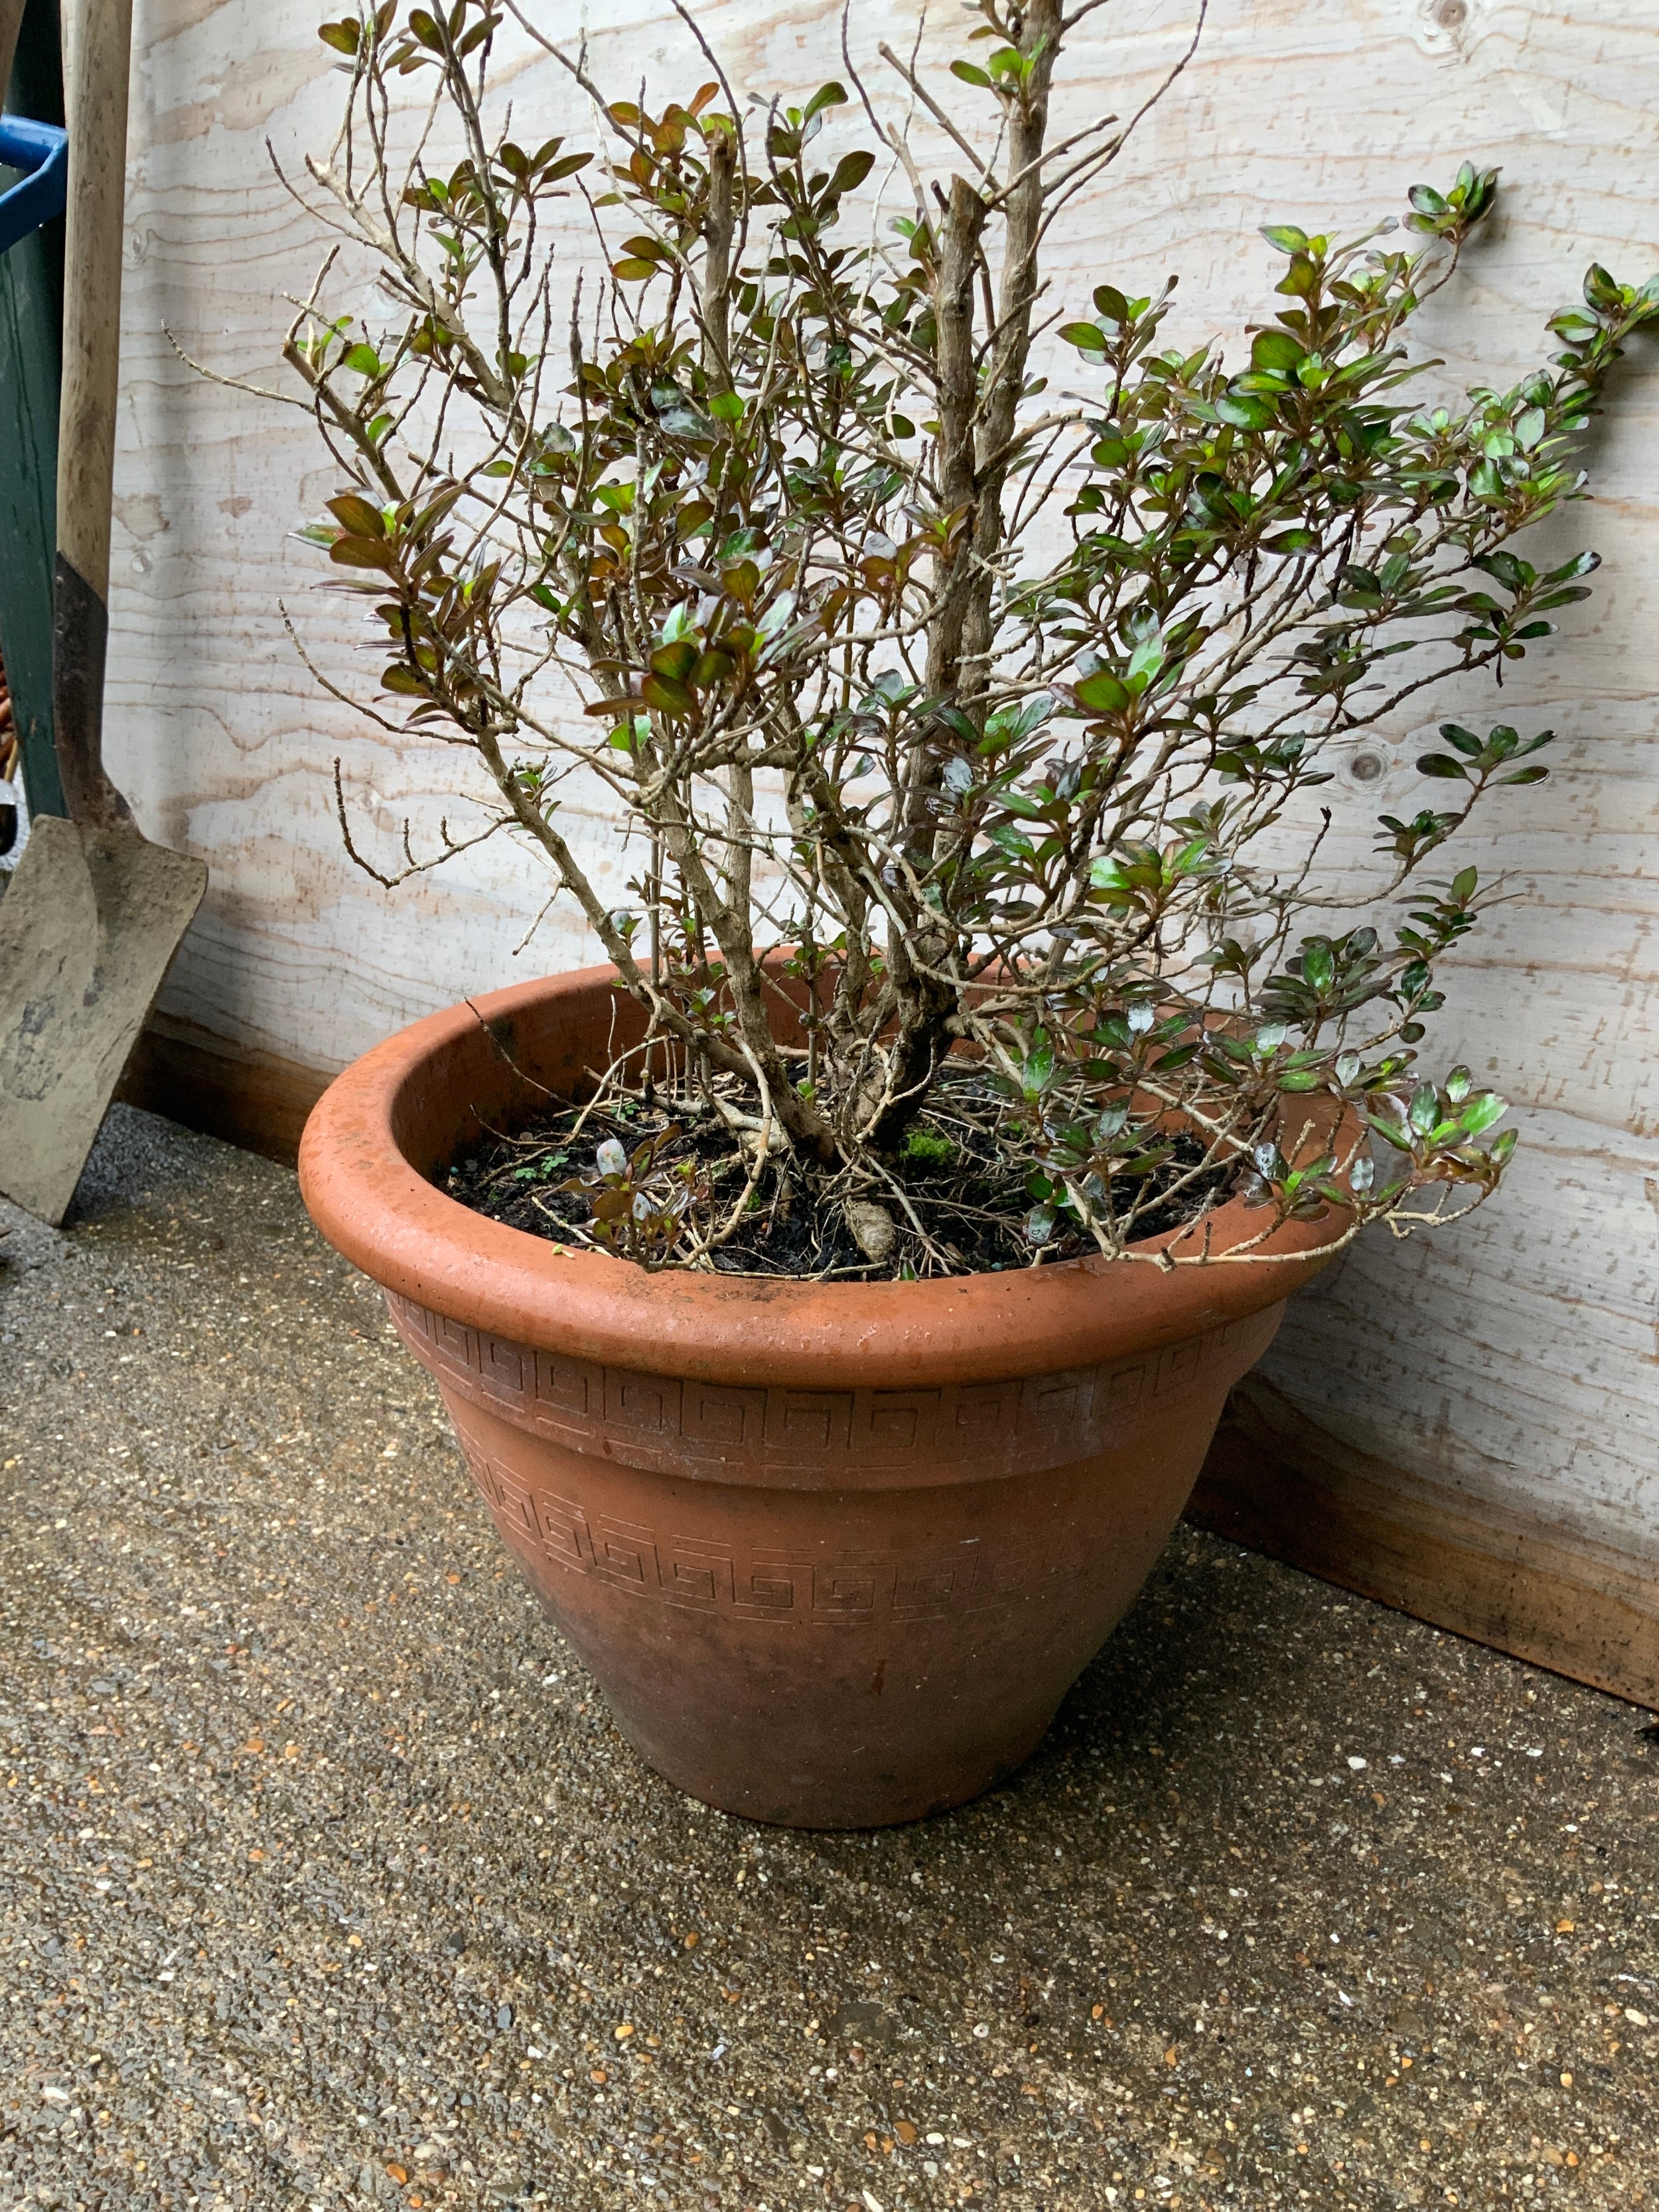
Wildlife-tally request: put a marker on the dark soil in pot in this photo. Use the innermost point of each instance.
(954, 1206)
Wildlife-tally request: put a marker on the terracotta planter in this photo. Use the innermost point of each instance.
(834, 1552)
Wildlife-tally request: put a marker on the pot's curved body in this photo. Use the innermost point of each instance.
(833, 1608)
(834, 1552)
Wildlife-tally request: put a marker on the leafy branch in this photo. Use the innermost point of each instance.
(965, 723)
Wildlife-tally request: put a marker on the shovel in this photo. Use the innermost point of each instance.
(95, 912)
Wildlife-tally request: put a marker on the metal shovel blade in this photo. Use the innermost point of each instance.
(88, 932)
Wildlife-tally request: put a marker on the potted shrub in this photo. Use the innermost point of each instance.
(836, 1292)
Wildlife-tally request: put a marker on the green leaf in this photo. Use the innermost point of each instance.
(1287, 237)
(1087, 337)
(356, 513)
(827, 95)
(1245, 411)
(435, 509)
(1102, 693)
(1566, 598)
(851, 170)
(727, 406)
(1529, 428)
(1482, 1111)
(1514, 573)
(667, 696)
(1169, 1061)
(970, 73)
(1601, 289)
(630, 270)
(1318, 964)
(1276, 349)
(360, 553)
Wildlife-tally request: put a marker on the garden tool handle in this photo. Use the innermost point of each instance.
(97, 52)
(11, 22)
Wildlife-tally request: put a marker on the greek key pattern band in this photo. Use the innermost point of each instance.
(666, 1425)
(695, 1574)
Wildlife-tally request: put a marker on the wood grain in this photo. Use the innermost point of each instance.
(1511, 1366)
(1517, 1580)
(242, 1095)
(97, 44)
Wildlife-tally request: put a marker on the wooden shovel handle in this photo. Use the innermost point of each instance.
(98, 45)
(97, 52)
(11, 22)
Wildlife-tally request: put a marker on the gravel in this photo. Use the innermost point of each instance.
(325, 1881)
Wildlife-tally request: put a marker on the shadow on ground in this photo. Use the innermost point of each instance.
(326, 1881)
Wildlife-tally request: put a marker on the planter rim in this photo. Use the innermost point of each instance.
(376, 1208)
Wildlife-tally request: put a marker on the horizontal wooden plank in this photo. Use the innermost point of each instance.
(1515, 1579)
(231, 1091)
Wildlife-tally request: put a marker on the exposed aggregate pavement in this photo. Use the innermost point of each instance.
(325, 1881)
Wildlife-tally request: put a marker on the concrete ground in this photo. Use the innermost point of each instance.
(325, 1881)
